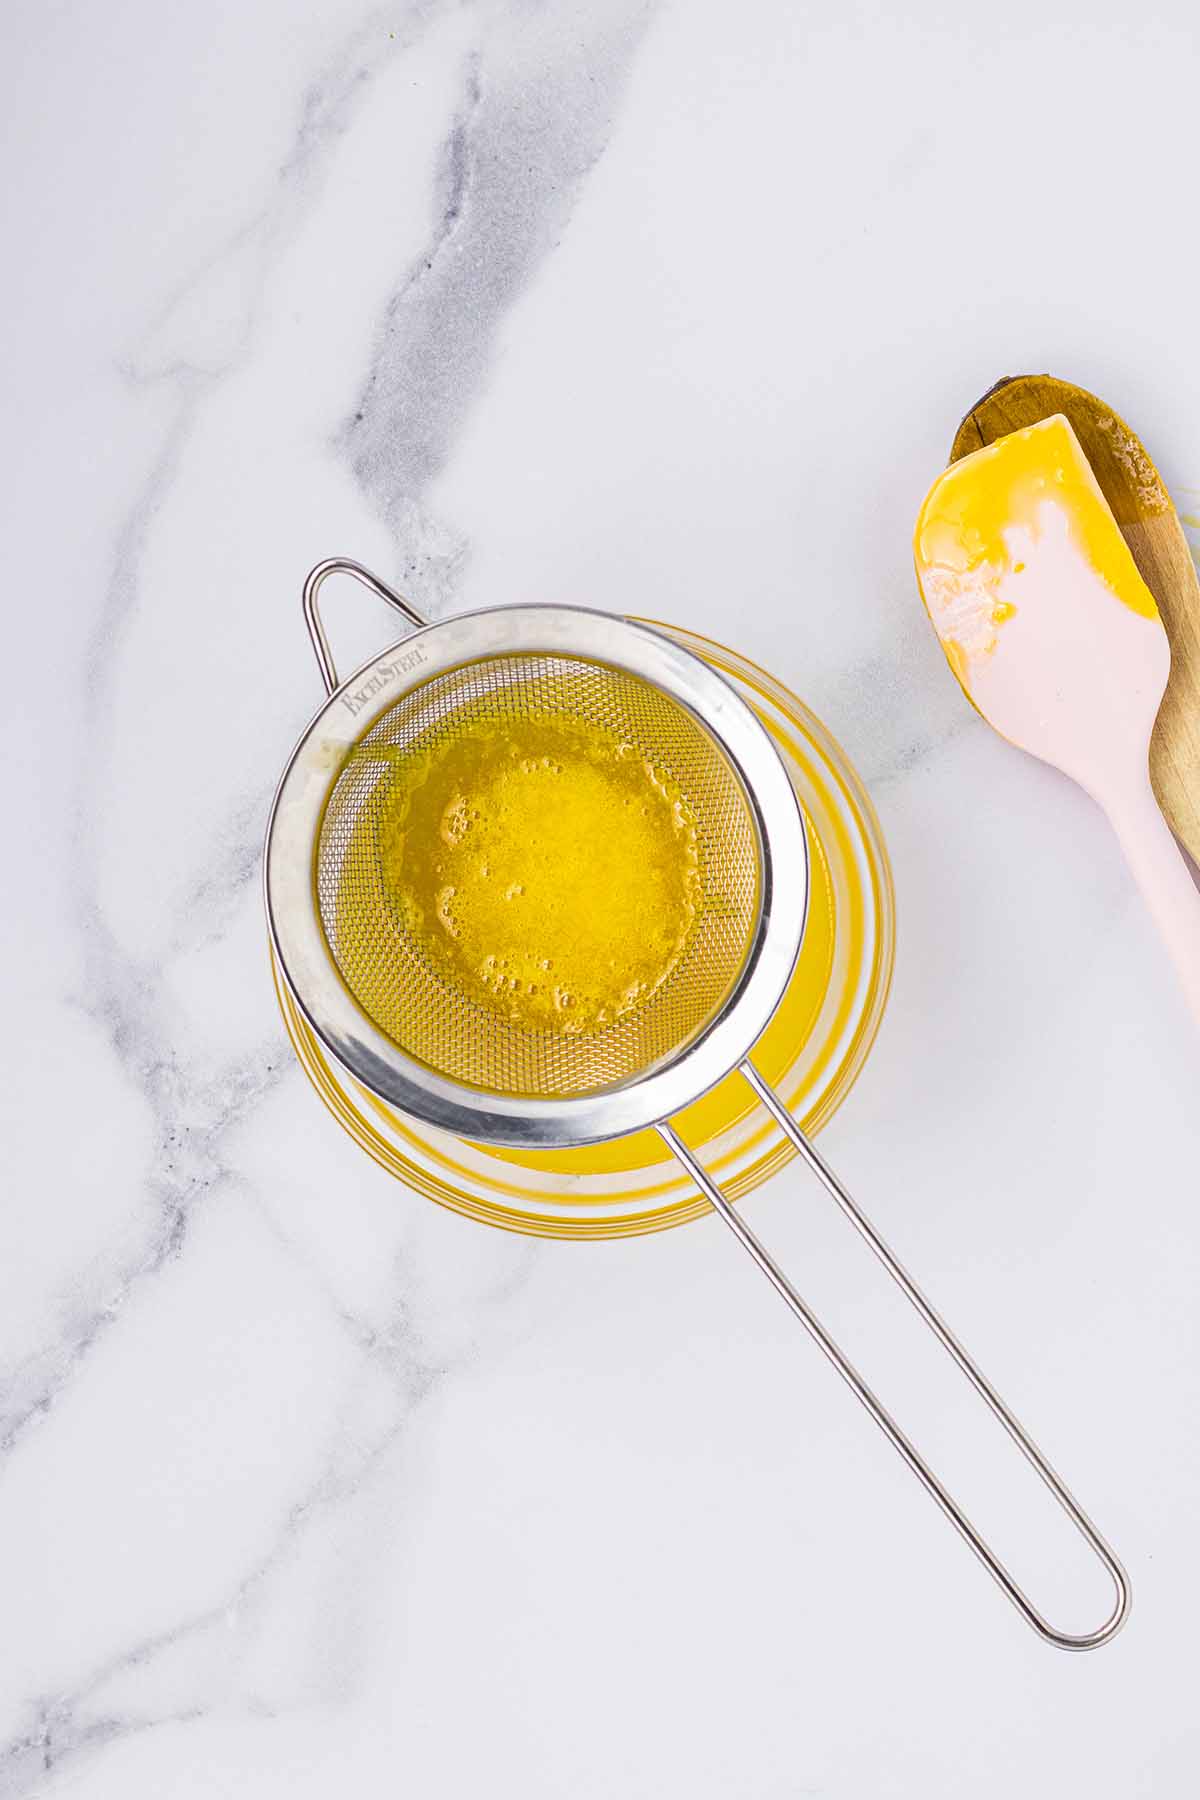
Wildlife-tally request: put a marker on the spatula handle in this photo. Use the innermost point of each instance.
(1158, 867)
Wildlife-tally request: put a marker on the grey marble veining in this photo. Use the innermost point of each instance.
(512, 162)
(305, 1485)
(525, 135)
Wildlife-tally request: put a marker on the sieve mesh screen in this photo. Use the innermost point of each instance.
(391, 952)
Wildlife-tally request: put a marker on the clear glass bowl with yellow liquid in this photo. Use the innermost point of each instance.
(811, 1052)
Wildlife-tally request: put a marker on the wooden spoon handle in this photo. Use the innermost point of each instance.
(1162, 874)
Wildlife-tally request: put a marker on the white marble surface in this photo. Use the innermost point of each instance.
(308, 1488)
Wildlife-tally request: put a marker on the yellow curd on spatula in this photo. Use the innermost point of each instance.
(993, 517)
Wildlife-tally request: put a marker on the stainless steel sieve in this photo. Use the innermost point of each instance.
(397, 1022)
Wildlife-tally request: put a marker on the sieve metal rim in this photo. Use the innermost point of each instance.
(299, 939)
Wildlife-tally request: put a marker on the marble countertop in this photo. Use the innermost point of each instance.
(308, 1487)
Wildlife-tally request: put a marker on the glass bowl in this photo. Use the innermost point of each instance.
(811, 1052)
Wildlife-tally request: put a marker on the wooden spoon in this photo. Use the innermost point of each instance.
(1139, 501)
(1056, 639)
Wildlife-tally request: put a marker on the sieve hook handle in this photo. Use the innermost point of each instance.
(342, 565)
(1062, 1640)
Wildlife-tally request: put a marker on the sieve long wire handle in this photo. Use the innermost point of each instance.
(820, 1168)
(342, 565)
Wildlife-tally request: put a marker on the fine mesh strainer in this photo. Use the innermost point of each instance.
(384, 958)
(401, 1022)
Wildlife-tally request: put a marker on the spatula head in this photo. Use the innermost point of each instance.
(1039, 605)
(1151, 527)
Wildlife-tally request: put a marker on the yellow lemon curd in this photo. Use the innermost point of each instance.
(544, 866)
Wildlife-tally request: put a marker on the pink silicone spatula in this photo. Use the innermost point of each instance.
(1057, 641)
